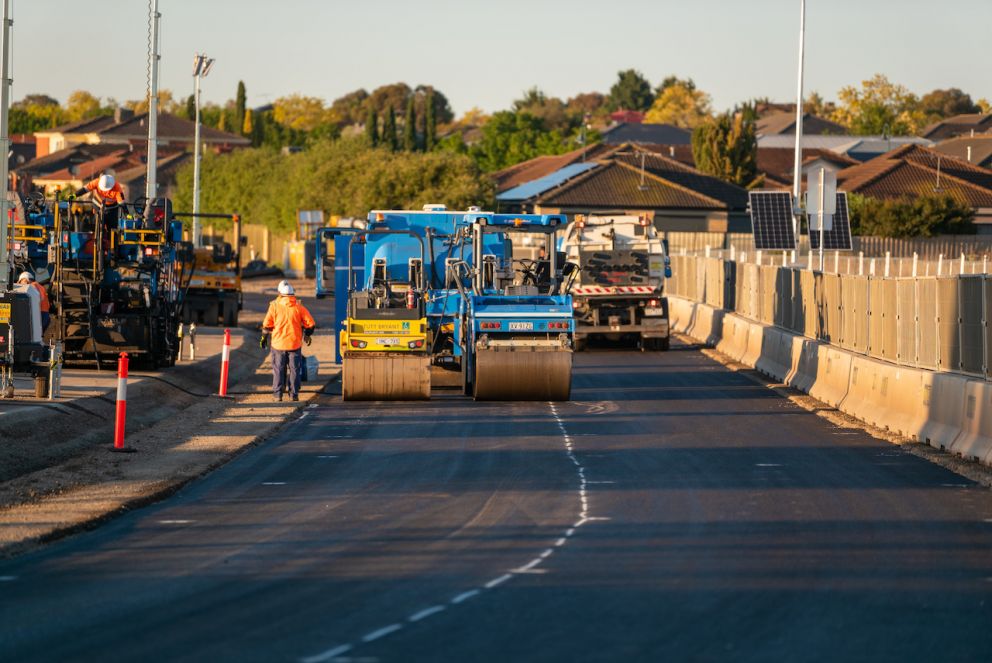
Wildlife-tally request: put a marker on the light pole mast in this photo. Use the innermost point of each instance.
(797, 172)
(151, 180)
(201, 67)
(5, 262)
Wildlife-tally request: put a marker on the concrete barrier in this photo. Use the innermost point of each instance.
(886, 396)
(707, 324)
(776, 354)
(755, 341)
(944, 402)
(734, 337)
(833, 375)
(680, 313)
(806, 358)
(975, 440)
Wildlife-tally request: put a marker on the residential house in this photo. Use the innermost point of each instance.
(655, 134)
(859, 148)
(959, 125)
(784, 124)
(975, 149)
(913, 170)
(635, 180)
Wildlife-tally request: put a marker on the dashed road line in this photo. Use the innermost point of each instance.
(528, 568)
(273, 483)
(427, 612)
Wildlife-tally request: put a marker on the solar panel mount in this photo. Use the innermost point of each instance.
(772, 220)
(838, 238)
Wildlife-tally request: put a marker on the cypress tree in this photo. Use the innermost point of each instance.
(410, 127)
(191, 108)
(246, 126)
(430, 122)
(240, 102)
(222, 123)
(372, 128)
(389, 130)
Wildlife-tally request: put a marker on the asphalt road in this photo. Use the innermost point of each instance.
(673, 511)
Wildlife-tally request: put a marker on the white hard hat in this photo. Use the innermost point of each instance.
(106, 183)
(26, 275)
(286, 288)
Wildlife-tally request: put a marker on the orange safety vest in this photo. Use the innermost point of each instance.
(43, 296)
(115, 195)
(285, 320)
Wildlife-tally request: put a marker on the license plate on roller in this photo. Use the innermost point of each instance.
(387, 341)
(521, 326)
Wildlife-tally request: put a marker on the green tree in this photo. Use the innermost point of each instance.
(879, 107)
(372, 128)
(430, 122)
(727, 147)
(350, 108)
(389, 140)
(191, 107)
(81, 105)
(509, 138)
(299, 112)
(917, 216)
(631, 92)
(681, 106)
(940, 104)
(410, 127)
(669, 81)
(240, 102)
(389, 96)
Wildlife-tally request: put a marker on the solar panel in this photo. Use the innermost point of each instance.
(838, 238)
(771, 220)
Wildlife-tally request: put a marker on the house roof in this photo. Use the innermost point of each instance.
(538, 167)
(536, 187)
(134, 178)
(980, 144)
(87, 126)
(170, 128)
(74, 155)
(860, 148)
(658, 134)
(674, 171)
(785, 123)
(958, 125)
(777, 163)
(90, 169)
(912, 170)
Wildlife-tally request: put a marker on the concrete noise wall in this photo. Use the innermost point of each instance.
(944, 410)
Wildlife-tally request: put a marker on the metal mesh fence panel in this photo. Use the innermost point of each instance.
(906, 322)
(860, 313)
(782, 312)
(828, 305)
(926, 323)
(948, 331)
(809, 314)
(970, 304)
(729, 284)
(768, 304)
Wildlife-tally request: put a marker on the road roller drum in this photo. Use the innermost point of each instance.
(385, 376)
(523, 374)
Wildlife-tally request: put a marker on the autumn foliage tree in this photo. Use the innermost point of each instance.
(727, 147)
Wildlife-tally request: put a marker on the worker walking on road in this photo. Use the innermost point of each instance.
(27, 278)
(287, 325)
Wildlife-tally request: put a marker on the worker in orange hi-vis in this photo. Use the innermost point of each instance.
(108, 195)
(288, 324)
(27, 278)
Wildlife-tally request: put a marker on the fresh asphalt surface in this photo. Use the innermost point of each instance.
(721, 522)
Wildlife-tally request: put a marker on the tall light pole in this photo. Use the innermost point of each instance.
(5, 262)
(151, 178)
(201, 67)
(797, 172)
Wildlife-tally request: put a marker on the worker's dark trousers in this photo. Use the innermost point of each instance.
(281, 361)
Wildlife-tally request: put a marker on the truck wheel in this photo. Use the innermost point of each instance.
(580, 344)
(664, 344)
(230, 315)
(211, 315)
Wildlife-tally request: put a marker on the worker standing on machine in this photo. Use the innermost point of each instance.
(287, 325)
(109, 195)
(27, 278)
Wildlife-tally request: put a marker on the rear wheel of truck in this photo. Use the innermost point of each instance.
(230, 314)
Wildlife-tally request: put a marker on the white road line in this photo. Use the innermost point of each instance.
(176, 522)
(600, 482)
(327, 655)
(570, 531)
(767, 465)
(273, 483)
(529, 565)
(427, 612)
(955, 485)
(561, 541)
(464, 596)
(546, 553)
(8, 578)
(327, 457)
(381, 633)
(498, 581)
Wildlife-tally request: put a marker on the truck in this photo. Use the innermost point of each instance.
(619, 289)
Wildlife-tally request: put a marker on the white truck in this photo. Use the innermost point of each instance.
(619, 289)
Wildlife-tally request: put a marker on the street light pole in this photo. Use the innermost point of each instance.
(5, 262)
(151, 178)
(797, 171)
(201, 67)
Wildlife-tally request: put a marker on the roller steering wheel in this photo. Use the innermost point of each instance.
(527, 271)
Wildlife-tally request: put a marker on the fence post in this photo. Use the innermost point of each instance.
(861, 263)
(888, 262)
(985, 264)
(916, 260)
(836, 262)
(940, 264)
(757, 257)
(809, 262)
(961, 270)
(871, 267)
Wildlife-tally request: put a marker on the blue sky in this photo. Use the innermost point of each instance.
(485, 53)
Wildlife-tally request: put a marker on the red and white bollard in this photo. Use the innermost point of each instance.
(225, 362)
(121, 402)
